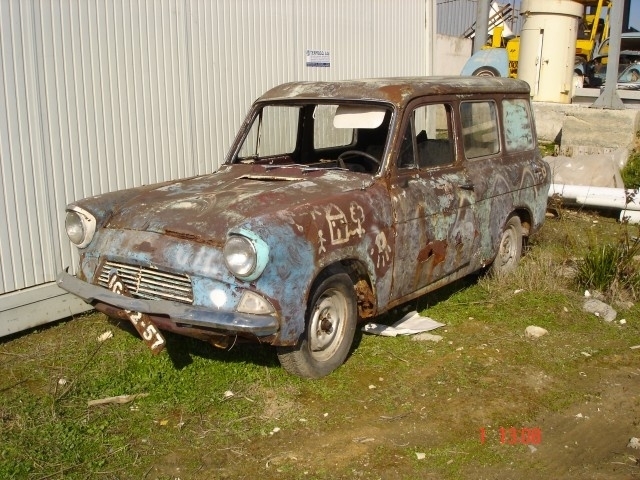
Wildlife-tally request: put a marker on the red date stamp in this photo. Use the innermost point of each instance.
(513, 435)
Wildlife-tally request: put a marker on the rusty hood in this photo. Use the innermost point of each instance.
(206, 208)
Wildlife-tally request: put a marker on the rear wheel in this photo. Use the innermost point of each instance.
(486, 72)
(330, 327)
(510, 248)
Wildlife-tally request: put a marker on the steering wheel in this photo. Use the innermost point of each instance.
(357, 153)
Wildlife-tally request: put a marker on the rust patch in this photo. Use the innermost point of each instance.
(436, 250)
(366, 299)
(194, 238)
(145, 247)
(395, 93)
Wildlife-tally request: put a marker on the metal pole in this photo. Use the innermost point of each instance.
(609, 97)
(626, 15)
(482, 25)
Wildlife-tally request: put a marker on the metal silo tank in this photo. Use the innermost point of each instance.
(548, 47)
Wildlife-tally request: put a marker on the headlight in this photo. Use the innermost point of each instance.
(240, 256)
(80, 225)
(245, 254)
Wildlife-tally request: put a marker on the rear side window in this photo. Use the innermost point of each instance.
(518, 132)
(479, 129)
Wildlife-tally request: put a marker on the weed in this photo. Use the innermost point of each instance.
(631, 171)
(548, 149)
(611, 269)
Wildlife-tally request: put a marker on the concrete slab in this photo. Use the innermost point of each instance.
(601, 170)
(577, 126)
(594, 144)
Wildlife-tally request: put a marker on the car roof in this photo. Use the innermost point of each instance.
(399, 91)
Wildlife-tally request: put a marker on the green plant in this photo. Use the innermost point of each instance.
(631, 171)
(547, 149)
(611, 268)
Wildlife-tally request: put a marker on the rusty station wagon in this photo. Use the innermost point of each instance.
(337, 201)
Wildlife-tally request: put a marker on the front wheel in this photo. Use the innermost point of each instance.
(510, 248)
(330, 327)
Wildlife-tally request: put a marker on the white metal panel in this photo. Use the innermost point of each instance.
(25, 239)
(113, 78)
(239, 49)
(100, 95)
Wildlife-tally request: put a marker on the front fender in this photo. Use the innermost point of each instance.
(494, 58)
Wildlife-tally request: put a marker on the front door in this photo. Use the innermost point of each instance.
(433, 199)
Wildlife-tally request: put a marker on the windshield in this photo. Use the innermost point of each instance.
(631, 74)
(318, 135)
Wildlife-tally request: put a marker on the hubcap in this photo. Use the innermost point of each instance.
(507, 247)
(327, 323)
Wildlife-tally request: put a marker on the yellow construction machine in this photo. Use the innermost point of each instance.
(499, 57)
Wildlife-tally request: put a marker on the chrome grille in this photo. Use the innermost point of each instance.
(148, 283)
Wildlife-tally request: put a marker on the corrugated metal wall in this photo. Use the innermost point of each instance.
(100, 95)
(456, 16)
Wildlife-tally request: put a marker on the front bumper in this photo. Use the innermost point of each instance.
(179, 314)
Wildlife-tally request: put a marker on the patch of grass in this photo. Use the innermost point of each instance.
(547, 148)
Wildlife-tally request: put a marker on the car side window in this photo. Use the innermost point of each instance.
(479, 128)
(516, 118)
(428, 140)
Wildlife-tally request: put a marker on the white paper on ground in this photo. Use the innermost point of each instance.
(410, 324)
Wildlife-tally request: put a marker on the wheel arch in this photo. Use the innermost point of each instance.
(496, 58)
(366, 297)
(525, 219)
(330, 324)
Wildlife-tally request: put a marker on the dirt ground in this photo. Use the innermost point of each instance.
(587, 439)
(424, 422)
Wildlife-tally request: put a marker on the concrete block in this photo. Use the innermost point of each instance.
(549, 120)
(574, 126)
(600, 128)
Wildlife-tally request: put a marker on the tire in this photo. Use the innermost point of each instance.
(486, 72)
(330, 327)
(509, 248)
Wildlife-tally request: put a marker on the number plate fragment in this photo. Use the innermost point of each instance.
(141, 321)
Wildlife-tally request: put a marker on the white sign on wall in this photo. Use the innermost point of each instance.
(318, 58)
